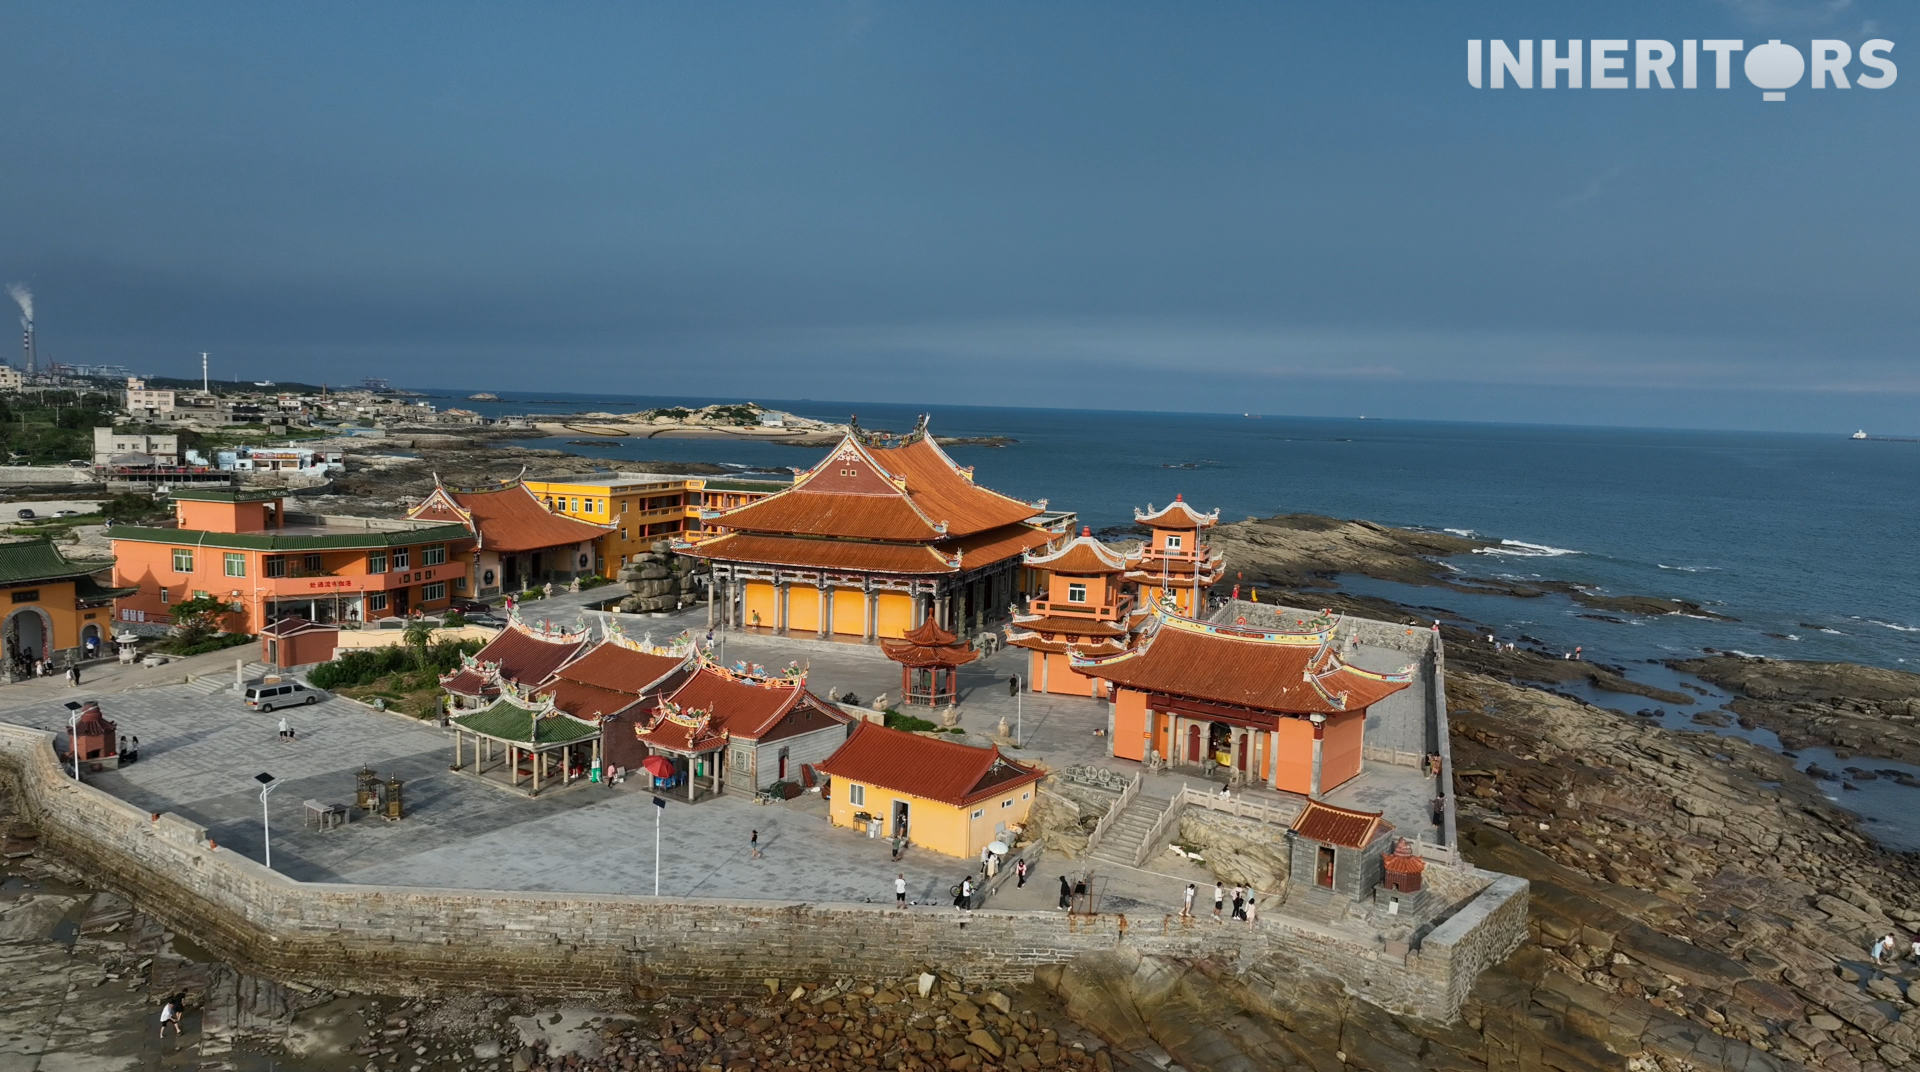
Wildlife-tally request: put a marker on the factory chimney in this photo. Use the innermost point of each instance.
(24, 298)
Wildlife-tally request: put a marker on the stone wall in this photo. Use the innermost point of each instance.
(398, 939)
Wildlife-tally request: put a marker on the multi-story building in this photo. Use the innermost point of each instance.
(644, 508)
(111, 443)
(145, 403)
(243, 546)
(10, 378)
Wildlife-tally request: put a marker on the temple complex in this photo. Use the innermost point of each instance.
(57, 608)
(523, 654)
(1277, 706)
(1176, 559)
(879, 536)
(519, 543)
(1086, 606)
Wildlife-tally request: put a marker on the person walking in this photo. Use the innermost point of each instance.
(1186, 906)
(73, 676)
(1239, 903)
(900, 890)
(286, 731)
(1013, 686)
(1020, 873)
(899, 846)
(1066, 893)
(1882, 949)
(170, 1017)
(1219, 900)
(753, 846)
(1253, 911)
(965, 903)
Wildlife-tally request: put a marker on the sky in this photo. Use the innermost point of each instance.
(1221, 207)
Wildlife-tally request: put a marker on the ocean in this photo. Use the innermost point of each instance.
(1804, 540)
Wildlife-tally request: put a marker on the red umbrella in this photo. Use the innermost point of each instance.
(658, 766)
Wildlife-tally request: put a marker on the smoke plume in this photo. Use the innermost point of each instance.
(21, 294)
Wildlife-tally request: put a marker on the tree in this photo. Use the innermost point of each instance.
(195, 620)
(417, 635)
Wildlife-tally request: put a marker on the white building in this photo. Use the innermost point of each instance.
(112, 443)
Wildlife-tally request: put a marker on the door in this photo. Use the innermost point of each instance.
(1323, 868)
(899, 818)
(1193, 744)
(783, 764)
(400, 602)
(273, 653)
(1243, 752)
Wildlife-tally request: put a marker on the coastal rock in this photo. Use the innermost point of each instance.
(1866, 710)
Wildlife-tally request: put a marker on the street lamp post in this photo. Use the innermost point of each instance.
(659, 809)
(267, 785)
(1019, 712)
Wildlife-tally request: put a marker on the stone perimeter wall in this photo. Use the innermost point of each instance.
(408, 940)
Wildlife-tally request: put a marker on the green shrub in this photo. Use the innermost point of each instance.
(593, 582)
(217, 642)
(898, 721)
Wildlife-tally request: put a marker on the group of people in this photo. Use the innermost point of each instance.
(1245, 907)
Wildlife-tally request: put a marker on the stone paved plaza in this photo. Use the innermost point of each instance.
(200, 751)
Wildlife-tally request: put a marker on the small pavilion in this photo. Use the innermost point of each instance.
(926, 654)
(534, 737)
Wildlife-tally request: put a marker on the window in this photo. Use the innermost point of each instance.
(198, 594)
(315, 564)
(624, 503)
(401, 557)
(434, 555)
(376, 601)
(1007, 803)
(1173, 541)
(1024, 796)
(183, 560)
(978, 812)
(856, 795)
(432, 592)
(236, 563)
(1076, 593)
(742, 759)
(377, 562)
(276, 566)
(166, 597)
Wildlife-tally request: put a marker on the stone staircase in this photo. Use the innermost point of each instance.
(210, 683)
(1121, 844)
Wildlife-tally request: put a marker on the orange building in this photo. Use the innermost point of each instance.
(1087, 608)
(642, 509)
(518, 543)
(244, 546)
(876, 538)
(1278, 706)
(1176, 559)
(55, 608)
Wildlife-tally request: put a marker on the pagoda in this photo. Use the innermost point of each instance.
(881, 535)
(924, 654)
(1176, 559)
(1088, 607)
(1278, 706)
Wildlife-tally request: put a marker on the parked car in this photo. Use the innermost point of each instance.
(468, 607)
(66, 513)
(490, 620)
(25, 514)
(285, 694)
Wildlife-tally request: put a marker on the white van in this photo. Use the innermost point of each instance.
(285, 694)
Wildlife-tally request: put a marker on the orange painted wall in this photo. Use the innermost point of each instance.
(850, 612)
(1130, 724)
(221, 517)
(1101, 590)
(895, 614)
(1340, 748)
(758, 597)
(1293, 742)
(803, 607)
(1061, 679)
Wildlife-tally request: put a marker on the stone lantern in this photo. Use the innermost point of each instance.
(394, 810)
(364, 792)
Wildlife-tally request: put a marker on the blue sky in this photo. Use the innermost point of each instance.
(1216, 207)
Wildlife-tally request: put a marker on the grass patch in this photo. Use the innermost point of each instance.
(895, 720)
(218, 642)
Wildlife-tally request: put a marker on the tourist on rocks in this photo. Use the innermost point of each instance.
(170, 1015)
(1239, 903)
(1066, 893)
(1253, 911)
(1882, 950)
(1219, 899)
(1186, 906)
(900, 890)
(1080, 895)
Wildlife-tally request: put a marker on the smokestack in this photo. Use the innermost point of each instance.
(24, 298)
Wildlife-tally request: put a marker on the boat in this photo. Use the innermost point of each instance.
(1861, 434)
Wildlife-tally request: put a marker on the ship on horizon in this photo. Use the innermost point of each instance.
(1861, 434)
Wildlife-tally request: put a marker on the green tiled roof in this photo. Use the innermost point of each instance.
(86, 589)
(508, 721)
(38, 560)
(229, 495)
(260, 541)
(747, 485)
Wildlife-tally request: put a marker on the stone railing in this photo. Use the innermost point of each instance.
(1161, 830)
(1106, 822)
(1396, 756)
(1278, 814)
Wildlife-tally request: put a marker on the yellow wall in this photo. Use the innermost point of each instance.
(56, 598)
(850, 612)
(896, 614)
(933, 824)
(1294, 743)
(759, 597)
(803, 607)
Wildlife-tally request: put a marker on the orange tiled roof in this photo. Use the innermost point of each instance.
(907, 493)
(525, 658)
(1059, 624)
(1083, 556)
(620, 669)
(863, 556)
(1282, 672)
(1176, 515)
(508, 519)
(737, 706)
(584, 701)
(1344, 827)
(946, 771)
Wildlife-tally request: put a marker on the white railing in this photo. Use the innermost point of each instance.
(1106, 822)
(1279, 814)
(1394, 756)
(1440, 854)
(1162, 828)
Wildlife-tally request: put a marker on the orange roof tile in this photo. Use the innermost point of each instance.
(1344, 827)
(931, 769)
(1083, 556)
(908, 493)
(1175, 515)
(851, 555)
(507, 519)
(1286, 673)
(525, 658)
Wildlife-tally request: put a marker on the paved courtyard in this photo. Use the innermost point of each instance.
(200, 751)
